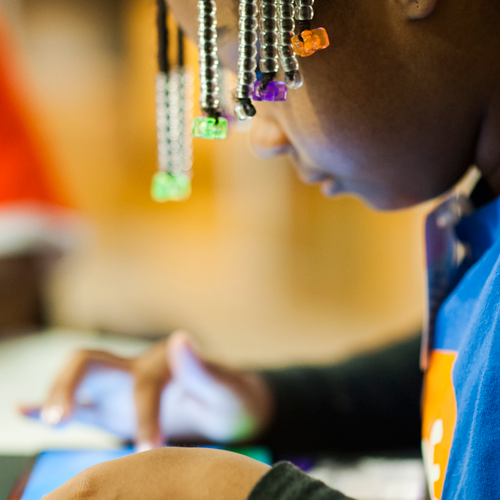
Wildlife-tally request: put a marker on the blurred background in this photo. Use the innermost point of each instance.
(262, 269)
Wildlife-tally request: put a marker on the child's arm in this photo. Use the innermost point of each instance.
(368, 403)
(371, 402)
(192, 474)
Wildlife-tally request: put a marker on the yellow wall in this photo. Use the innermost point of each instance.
(260, 267)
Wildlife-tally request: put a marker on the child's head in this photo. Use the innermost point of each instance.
(400, 104)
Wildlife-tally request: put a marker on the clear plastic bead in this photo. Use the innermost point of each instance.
(241, 113)
(286, 25)
(304, 13)
(294, 81)
(268, 65)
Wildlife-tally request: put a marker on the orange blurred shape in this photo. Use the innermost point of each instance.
(25, 168)
(312, 41)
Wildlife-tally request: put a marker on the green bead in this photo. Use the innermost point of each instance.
(169, 187)
(209, 128)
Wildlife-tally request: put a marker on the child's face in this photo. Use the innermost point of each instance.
(388, 112)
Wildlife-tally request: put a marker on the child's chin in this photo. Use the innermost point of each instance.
(388, 203)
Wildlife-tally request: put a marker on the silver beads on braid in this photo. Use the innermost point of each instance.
(268, 37)
(172, 181)
(247, 62)
(162, 118)
(304, 10)
(211, 126)
(286, 30)
(266, 89)
(209, 62)
(179, 88)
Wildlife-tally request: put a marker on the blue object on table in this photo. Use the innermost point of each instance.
(53, 468)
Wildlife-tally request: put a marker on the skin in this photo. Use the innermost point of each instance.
(173, 473)
(187, 473)
(397, 108)
(404, 100)
(152, 372)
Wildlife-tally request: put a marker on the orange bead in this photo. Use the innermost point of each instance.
(304, 47)
(320, 38)
(311, 42)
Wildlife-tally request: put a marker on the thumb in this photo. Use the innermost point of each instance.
(151, 374)
(147, 396)
(187, 367)
(218, 394)
(201, 379)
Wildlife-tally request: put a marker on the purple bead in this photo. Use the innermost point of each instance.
(275, 91)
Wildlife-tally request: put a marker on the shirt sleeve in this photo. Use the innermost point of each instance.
(370, 403)
(286, 482)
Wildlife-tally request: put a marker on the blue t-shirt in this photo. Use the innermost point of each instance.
(461, 403)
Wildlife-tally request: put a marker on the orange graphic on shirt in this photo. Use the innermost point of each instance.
(439, 419)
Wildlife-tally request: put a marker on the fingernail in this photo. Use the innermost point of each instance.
(52, 415)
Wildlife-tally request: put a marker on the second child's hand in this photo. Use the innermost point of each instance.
(168, 392)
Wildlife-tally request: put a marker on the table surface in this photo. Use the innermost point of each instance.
(11, 468)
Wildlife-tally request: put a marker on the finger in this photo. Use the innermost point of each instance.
(181, 352)
(151, 374)
(192, 370)
(187, 364)
(199, 378)
(147, 402)
(60, 403)
(30, 411)
(214, 384)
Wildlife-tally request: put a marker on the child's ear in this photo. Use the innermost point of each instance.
(417, 9)
(267, 137)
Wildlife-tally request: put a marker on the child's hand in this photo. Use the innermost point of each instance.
(173, 473)
(169, 392)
